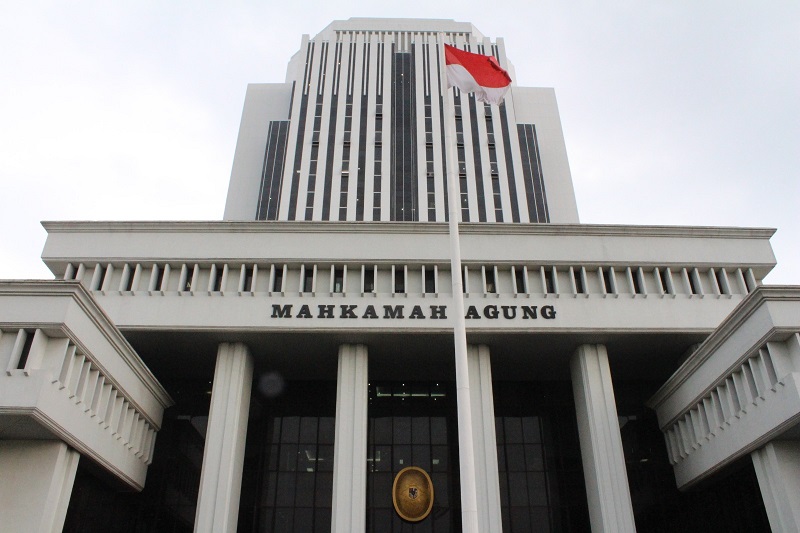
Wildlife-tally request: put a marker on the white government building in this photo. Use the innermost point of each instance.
(274, 371)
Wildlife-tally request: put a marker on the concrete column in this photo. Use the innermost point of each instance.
(610, 508)
(778, 470)
(485, 443)
(223, 456)
(36, 479)
(350, 444)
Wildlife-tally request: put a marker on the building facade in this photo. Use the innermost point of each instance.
(276, 370)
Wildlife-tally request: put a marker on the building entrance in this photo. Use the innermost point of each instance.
(412, 424)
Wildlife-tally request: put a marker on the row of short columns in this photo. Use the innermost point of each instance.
(601, 446)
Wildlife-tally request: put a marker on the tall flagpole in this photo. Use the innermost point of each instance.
(466, 451)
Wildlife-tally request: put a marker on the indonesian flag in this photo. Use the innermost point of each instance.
(476, 73)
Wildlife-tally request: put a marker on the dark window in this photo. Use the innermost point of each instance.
(308, 279)
(748, 283)
(549, 282)
(277, 284)
(287, 486)
(693, 285)
(539, 460)
(664, 281)
(338, 280)
(100, 278)
(26, 350)
(217, 287)
(129, 280)
(719, 276)
(399, 280)
(462, 183)
(248, 279)
(343, 197)
(369, 279)
(578, 277)
(430, 280)
(159, 277)
(491, 286)
(607, 281)
(637, 286)
(519, 277)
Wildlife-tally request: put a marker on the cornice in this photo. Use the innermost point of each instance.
(102, 321)
(740, 315)
(429, 228)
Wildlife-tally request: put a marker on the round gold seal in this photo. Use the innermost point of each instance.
(412, 494)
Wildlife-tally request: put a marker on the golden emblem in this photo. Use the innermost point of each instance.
(412, 494)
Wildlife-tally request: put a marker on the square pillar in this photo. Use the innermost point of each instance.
(223, 456)
(607, 491)
(487, 477)
(777, 467)
(350, 444)
(36, 479)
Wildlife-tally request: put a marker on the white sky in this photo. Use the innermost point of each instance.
(679, 113)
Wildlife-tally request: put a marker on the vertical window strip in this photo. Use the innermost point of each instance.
(291, 99)
(362, 142)
(315, 134)
(461, 156)
(351, 72)
(538, 184)
(441, 131)
(348, 127)
(301, 128)
(309, 63)
(337, 68)
(403, 153)
(531, 167)
(323, 68)
(377, 176)
(476, 156)
(426, 75)
(272, 171)
(525, 150)
(328, 184)
(494, 169)
(429, 173)
(512, 185)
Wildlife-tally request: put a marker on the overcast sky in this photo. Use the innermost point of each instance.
(679, 112)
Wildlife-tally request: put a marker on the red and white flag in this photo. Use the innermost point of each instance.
(476, 73)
